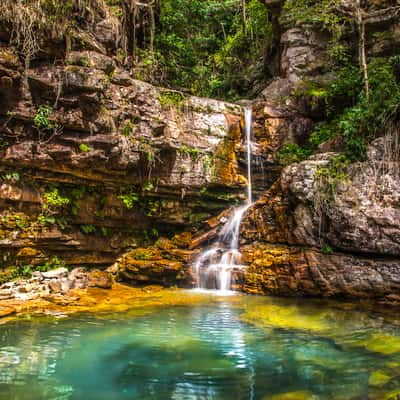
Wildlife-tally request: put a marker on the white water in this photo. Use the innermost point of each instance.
(214, 266)
(247, 123)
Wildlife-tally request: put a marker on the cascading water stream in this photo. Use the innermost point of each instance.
(214, 266)
(247, 124)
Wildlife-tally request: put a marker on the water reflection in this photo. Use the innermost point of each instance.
(236, 348)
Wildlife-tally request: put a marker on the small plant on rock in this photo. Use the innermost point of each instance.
(41, 120)
(84, 148)
(129, 197)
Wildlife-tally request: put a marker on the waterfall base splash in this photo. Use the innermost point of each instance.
(216, 266)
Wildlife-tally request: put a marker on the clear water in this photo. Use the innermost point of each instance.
(235, 347)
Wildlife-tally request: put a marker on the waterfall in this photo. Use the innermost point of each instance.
(247, 123)
(214, 266)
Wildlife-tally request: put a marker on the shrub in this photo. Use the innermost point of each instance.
(41, 120)
(292, 153)
(53, 198)
(129, 197)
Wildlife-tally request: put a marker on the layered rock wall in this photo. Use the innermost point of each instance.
(94, 163)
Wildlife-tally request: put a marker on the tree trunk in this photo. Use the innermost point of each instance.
(152, 27)
(244, 17)
(361, 45)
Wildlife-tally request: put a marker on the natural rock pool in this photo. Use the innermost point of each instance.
(208, 347)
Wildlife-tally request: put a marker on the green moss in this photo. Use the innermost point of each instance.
(171, 99)
(143, 254)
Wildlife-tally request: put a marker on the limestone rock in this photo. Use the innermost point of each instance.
(100, 279)
(55, 273)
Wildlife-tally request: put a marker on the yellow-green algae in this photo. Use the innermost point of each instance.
(383, 343)
(394, 395)
(300, 395)
(378, 378)
(330, 321)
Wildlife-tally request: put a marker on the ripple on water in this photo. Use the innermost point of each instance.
(233, 347)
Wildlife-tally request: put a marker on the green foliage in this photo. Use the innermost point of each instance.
(11, 177)
(146, 147)
(314, 12)
(291, 153)
(207, 163)
(356, 117)
(200, 46)
(193, 152)
(76, 195)
(127, 129)
(54, 199)
(350, 116)
(88, 229)
(147, 187)
(41, 120)
(44, 219)
(25, 271)
(84, 62)
(326, 249)
(84, 148)
(171, 99)
(53, 263)
(335, 170)
(129, 197)
(151, 207)
(21, 222)
(323, 14)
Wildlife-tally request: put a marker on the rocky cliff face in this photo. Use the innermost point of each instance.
(97, 168)
(320, 231)
(305, 239)
(94, 163)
